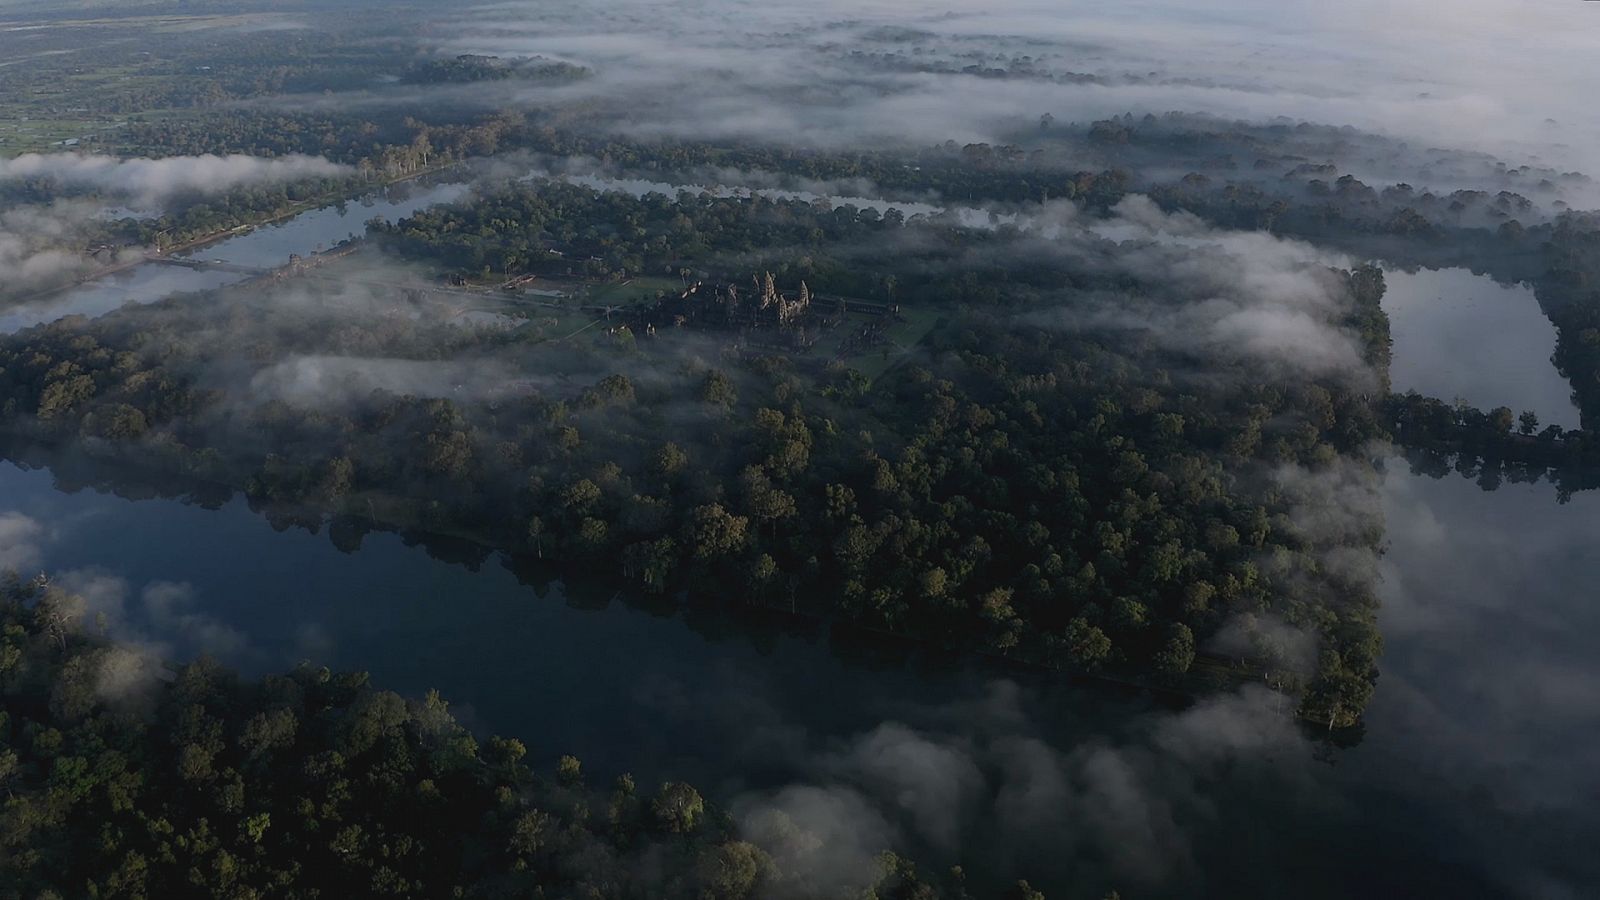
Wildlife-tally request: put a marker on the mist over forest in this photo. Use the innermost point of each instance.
(720, 449)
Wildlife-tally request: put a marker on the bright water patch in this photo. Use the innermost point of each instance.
(1485, 712)
(1460, 335)
(1478, 751)
(266, 247)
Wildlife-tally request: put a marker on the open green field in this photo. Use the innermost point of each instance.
(915, 325)
(903, 335)
(80, 80)
(69, 74)
(634, 289)
(22, 134)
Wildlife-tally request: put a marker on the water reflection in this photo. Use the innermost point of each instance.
(1488, 709)
(1479, 748)
(1460, 335)
(266, 247)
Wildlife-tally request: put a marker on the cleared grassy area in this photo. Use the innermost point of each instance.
(19, 135)
(67, 72)
(915, 326)
(635, 289)
(56, 81)
(56, 16)
(904, 336)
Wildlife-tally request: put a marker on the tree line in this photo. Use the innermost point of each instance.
(127, 777)
(1055, 496)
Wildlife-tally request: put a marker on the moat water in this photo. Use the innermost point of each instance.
(1471, 777)
(266, 247)
(1461, 335)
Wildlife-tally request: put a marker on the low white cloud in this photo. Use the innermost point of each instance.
(161, 620)
(1210, 291)
(21, 542)
(1513, 79)
(42, 245)
(318, 380)
(825, 840)
(980, 782)
(151, 182)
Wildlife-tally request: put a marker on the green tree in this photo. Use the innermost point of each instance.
(1177, 654)
(678, 807)
(713, 532)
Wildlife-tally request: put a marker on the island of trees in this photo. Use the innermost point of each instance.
(821, 409)
(1055, 496)
(125, 777)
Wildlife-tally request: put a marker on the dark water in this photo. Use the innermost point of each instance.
(266, 247)
(1460, 335)
(1474, 777)
(1487, 717)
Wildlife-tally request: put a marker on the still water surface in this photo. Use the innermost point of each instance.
(1478, 754)
(266, 247)
(1457, 334)
(1470, 779)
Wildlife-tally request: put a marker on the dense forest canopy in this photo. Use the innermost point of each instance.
(126, 779)
(1075, 497)
(1074, 381)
